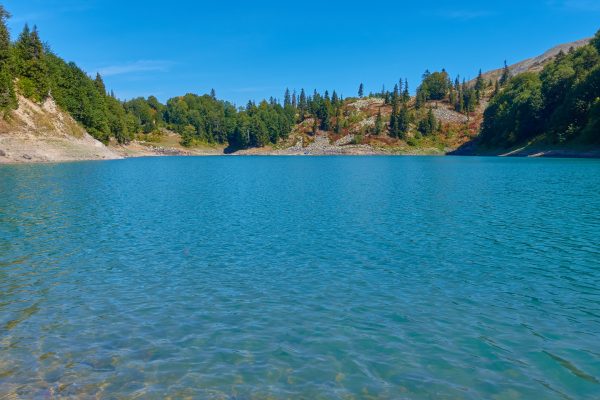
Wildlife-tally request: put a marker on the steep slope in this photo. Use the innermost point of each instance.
(552, 114)
(535, 64)
(45, 133)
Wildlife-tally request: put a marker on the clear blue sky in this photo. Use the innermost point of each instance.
(255, 49)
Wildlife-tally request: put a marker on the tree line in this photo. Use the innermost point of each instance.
(558, 101)
(30, 68)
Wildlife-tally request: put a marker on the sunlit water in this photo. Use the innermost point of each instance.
(301, 278)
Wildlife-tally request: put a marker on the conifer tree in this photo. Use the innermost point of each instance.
(335, 99)
(100, 84)
(338, 120)
(505, 75)
(403, 122)
(479, 85)
(428, 125)
(213, 94)
(302, 104)
(287, 100)
(395, 110)
(406, 93)
(7, 94)
(361, 90)
(31, 65)
(378, 123)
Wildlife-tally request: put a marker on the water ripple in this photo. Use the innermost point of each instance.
(308, 278)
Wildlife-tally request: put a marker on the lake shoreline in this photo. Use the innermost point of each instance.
(32, 149)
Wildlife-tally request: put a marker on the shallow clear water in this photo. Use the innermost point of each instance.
(314, 278)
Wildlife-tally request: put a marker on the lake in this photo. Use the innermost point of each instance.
(301, 278)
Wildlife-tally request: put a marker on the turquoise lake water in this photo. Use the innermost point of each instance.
(301, 278)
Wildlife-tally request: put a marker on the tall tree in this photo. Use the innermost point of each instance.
(394, 117)
(31, 66)
(379, 123)
(505, 74)
(361, 90)
(7, 93)
(403, 122)
(406, 93)
(99, 82)
(302, 104)
(479, 85)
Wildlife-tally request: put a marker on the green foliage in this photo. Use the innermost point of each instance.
(74, 91)
(212, 120)
(428, 125)
(31, 67)
(514, 115)
(148, 115)
(561, 102)
(203, 119)
(403, 122)
(435, 86)
(8, 99)
(596, 41)
(504, 78)
(378, 123)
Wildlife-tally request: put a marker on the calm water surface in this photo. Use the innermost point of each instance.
(301, 278)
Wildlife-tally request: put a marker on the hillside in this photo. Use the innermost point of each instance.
(535, 64)
(45, 133)
(457, 132)
(552, 108)
(54, 111)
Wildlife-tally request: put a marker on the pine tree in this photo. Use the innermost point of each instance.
(361, 90)
(324, 114)
(8, 99)
(302, 104)
(287, 100)
(338, 120)
(100, 84)
(294, 100)
(394, 117)
(406, 93)
(428, 125)
(403, 122)
(505, 75)
(31, 65)
(213, 94)
(479, 85)
(378, 123)
(335, 99)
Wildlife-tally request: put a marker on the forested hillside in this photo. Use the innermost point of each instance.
(561, 103)
(29, 68)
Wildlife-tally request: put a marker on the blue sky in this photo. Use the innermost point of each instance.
(255, 49)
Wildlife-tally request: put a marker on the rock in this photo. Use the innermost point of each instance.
(2, 153)
(27, 156)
